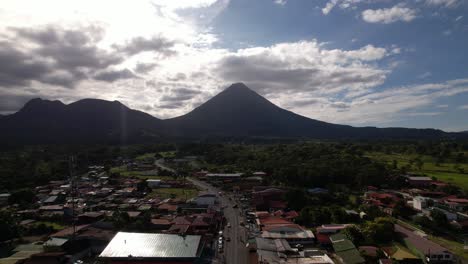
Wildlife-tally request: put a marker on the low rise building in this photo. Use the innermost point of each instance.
(152, 248)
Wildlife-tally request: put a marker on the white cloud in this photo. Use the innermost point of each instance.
(389, 15)
(458, 18)
(329, 6)
(342, 4)
(280, 2)
(424, 75)
(463, 107)
(443, 3)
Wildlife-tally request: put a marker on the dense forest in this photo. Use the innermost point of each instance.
(300, 164)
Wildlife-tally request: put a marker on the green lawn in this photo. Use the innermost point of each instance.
(168, 154)
(443, 171)
(145, 156)
(174, 193)
(54, 225)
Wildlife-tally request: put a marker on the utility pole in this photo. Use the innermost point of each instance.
(71, 166)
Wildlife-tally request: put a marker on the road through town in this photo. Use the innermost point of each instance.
(235, 251)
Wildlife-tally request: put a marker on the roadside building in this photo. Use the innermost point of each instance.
(430, 251)
(152, 248)
(418, 181)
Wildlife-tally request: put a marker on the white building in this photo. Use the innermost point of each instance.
(420, 203)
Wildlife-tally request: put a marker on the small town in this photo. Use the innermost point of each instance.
(142, 211)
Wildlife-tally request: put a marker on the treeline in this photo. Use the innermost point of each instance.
(440, 151)
(30, 166)
(302, 164)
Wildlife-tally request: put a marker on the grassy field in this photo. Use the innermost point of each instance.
(444, 171)
(53, 225)
(145, 156)
(168, 154)
(139, 174)
(174, 193)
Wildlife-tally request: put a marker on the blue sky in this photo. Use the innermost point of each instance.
(359, 62)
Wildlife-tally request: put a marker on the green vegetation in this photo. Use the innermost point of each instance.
(181, 193)
(145, 156)
(455, 173)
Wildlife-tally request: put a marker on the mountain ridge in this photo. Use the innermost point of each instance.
(237, 112)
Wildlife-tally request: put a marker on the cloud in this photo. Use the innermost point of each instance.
(303, 66)
(389, 15)
(180, 94)
(424, 75)
(52, 55)
(343, 4)
(280, 2)
(458, 18)
(18, 68)
(145, 67)
(329, 6)
(463, 107)
(443, 3)
(156, 44)
(114, 75)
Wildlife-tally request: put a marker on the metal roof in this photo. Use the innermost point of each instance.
(147, 245)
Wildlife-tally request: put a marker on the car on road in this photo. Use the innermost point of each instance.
(235, 206)
(229, 225)
(228, 239)
(220, 232)
(241, 223)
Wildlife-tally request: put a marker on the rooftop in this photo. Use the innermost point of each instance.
(146, 245)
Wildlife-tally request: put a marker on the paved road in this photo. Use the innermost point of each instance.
(235, 251)
(160, 163)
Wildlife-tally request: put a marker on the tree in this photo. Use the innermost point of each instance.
(419, 163)
(439, 218)
(402, 210)
(354, 234)
(296, 199)
(381, 230)
(8, 226)
(423, 221)
(120, 219)
(23, 196)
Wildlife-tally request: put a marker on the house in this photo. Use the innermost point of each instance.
(345, 250)
(206, 199)
(292, 233)
(279, 251)
(223, 176)
(418, 181)
(432, 252)
(153, 183)
(420, 203)
(128, 247)
(160, 224)
(270, 198)
(317, 190)
(323, 233)
(90, 217)
(455, 203)
(4, 197)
